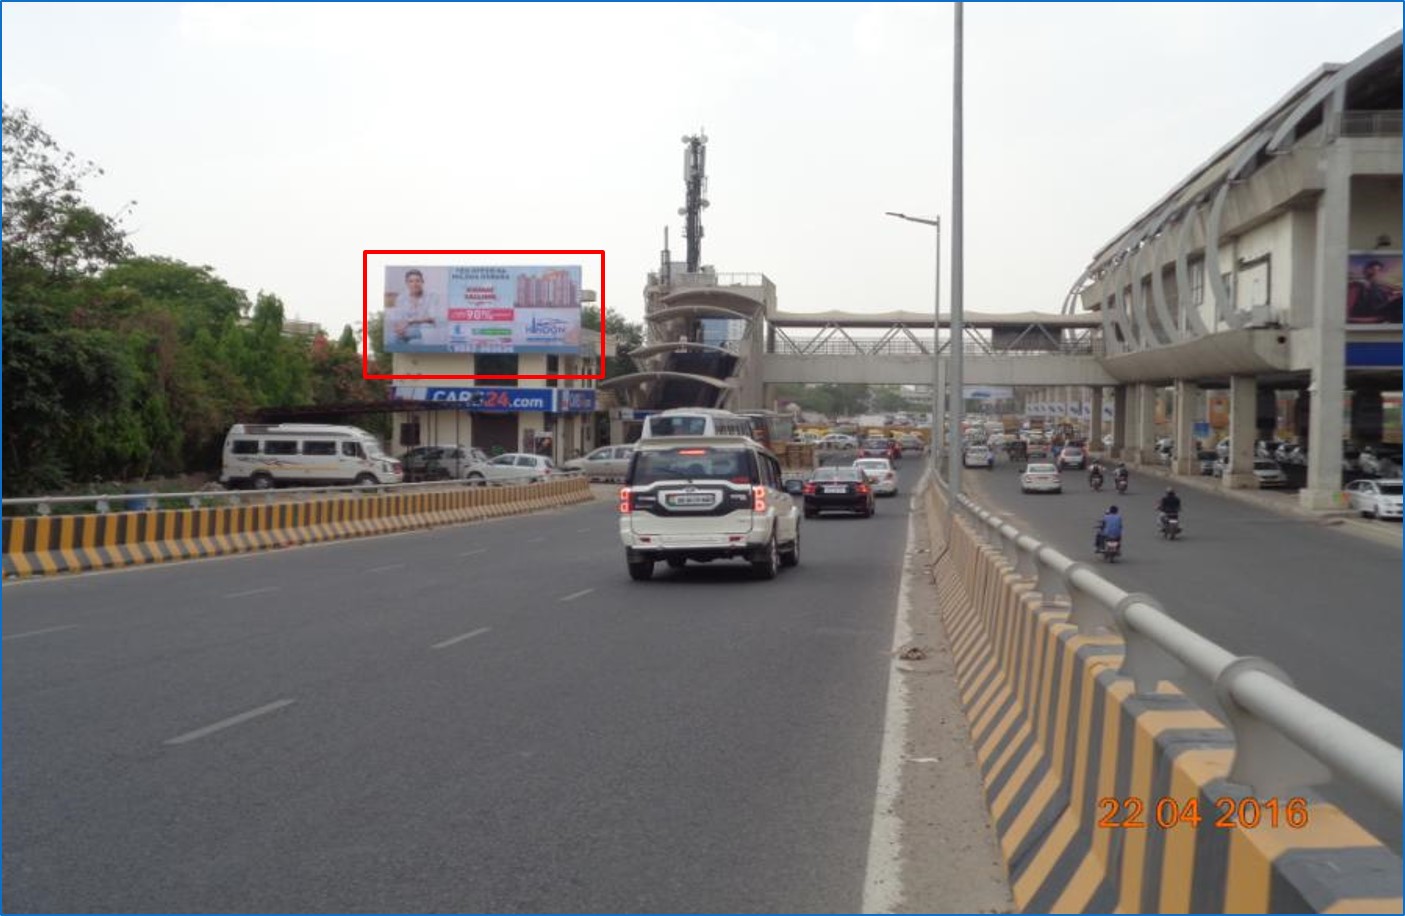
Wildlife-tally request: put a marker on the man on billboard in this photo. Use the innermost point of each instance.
(415, 311)
(1370, 299)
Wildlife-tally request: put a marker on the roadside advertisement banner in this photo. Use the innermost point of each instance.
(1373, 287)
(482, 309)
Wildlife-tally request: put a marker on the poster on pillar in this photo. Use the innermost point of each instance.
(1373, 287)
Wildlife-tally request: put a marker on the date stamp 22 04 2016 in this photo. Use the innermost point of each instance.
(1167, 813)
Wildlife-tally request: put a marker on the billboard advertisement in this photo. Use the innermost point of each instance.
(1373, 283)
(482, 309)
(485, 400)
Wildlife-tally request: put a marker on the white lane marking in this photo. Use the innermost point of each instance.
(386, 568)
(473, 553)
(449, 642)
(227, 723)
(883, 889)
(253, 591)
(41, 632)
(580, 594)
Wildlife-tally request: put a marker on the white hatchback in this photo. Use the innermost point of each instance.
(881, 475)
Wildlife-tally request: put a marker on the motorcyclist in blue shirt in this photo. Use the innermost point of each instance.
(1111, 527)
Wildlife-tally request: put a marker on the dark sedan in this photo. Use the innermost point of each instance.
(838, 489)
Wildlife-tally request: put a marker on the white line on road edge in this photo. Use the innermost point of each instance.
(253, 591)
(882, 887)
(226, 723)
(41, 632)
(472, 553)
(580, 594)
(386, 568)
(450, 642)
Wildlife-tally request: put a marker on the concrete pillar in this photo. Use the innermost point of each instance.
(1119, 421)
(1095, 423)
(1367, 416)
(1243, 409)
(1143, 446)
(1327, 343)
(1186, 410)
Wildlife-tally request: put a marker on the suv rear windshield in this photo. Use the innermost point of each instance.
(678, 426)
(730, 464)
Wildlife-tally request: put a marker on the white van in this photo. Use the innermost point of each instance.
(304, 455)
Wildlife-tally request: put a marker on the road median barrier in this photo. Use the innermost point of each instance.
(1114, 777)
(47, 544)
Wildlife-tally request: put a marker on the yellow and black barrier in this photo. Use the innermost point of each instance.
(44, 545)
(1104, 800)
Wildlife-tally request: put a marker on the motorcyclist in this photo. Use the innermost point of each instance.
(1109, 527)
(1095, 472)
(1120, 475)
(1170, 504)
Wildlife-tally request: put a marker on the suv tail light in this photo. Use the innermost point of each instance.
(863, 489)
(626, 500)
(758, 499)
(809, 489)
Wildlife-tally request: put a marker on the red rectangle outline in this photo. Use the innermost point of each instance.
(366, 320)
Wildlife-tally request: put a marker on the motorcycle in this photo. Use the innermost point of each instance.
(1120, 482)
(1096, 482)
(1170, 525)
(1109, 547)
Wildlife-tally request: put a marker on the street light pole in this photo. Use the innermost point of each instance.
(937, 420)
(958, 331)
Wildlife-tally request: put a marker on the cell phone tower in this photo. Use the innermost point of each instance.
(695, 180)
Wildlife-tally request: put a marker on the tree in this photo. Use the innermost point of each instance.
(629, 335)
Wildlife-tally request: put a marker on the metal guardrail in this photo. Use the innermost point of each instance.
(1369, 123)
(1284, 739)
(146, 501)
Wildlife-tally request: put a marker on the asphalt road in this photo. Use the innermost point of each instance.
(485, 718)
(1323, 606)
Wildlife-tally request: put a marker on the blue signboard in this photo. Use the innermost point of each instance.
(1201, 430)
(575, 400)
(1367, 354)
(486, 400)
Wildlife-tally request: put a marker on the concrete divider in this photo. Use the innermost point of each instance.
(44, 545)
(1107, 800)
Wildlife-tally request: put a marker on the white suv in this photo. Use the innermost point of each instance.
(707, 498)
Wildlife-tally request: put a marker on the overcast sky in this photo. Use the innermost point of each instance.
(276, 142)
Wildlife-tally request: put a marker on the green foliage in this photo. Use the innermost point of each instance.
(116, 366)
(629, 335)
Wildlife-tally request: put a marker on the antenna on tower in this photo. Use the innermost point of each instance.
(665, 261)
(695, 181)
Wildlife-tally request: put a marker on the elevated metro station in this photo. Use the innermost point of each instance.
(1270, 273)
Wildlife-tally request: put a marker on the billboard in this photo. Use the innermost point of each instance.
(482, 309)
(1373, 283)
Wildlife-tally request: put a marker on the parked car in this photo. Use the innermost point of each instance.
(880, 475)
(1375, 498)
(1207, 460)
(1072, 457)
(1379, 461)
(609, 462)
(1041, 478)
(514, 467)
(837, 488)
(978, 456)
(1269, 473)
(707, 498)
(440, 462)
